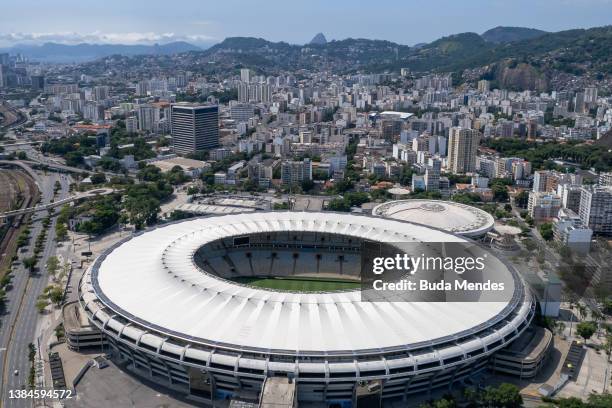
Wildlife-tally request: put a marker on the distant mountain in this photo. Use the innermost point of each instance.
(319, 39)
(519, 63)
(54, 52)
(501, 34)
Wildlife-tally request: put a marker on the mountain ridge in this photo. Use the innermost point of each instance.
(56, 52)
(506, 34)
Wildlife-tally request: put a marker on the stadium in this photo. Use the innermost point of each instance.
(216, 307)
(449, 216)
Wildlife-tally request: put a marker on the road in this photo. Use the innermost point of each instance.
(37, 158)
(21, 118)
(19, 322)
(59, 202)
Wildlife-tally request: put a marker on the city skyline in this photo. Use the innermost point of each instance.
(113, 22)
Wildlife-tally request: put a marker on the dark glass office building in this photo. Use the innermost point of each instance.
(194, 127)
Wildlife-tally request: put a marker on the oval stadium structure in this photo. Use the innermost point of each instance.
(457, 218)
(176, 305)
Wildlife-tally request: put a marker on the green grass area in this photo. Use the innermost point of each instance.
(299, 284)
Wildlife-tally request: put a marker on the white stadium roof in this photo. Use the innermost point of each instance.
(445, 215)
(152, 279)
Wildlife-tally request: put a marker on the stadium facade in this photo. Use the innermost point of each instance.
(169, 305)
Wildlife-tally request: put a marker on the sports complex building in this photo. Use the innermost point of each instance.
(449, 216)
(190, 306)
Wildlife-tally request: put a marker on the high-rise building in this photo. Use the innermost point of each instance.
(142, 88)
(194, 127)
(145, 117)
(605, 179)
(483, 85)
(579, 105)
(131, 124)
(596, 209)
(543, 205)
(487, 167)
(242, 112)
(590, 95)
(570, 196)
(545, 180)
(243, 92)
(462, 148)
(37, 82)
(569, 230)
(532, 129)
(432, 175)
(245, 75)
(101, 93)
(295, 172)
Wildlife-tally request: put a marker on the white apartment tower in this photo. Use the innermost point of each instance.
(462, 148)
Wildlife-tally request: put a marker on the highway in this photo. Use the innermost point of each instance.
(22, 118)
(19, 322)
(36, 158)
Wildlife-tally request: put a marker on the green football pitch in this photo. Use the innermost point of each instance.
(299, 284)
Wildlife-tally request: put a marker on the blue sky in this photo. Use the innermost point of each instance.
(205, 22)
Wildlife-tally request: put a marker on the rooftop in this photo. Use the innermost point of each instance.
(445, 215)
(152, 279)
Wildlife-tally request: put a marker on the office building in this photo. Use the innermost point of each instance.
(194, 127)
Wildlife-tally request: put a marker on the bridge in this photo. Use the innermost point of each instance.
(87, 194)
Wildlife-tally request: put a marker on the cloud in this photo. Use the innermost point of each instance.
(96, 37)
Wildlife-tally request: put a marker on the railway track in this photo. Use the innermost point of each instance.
(30, 195)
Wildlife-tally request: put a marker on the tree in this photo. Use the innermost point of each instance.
(521, 199)
(546, 230)
(500, 189)
(56, 295)
(142, 210)
(30, 263)
(600, 400)
(41, 305)
(52, 265)
(571, 402)
(504, 396)
(98, 178)
(61, 231)
(2, 298)
(338, 204)
(608, 345)
(445, 402)
(586, 330)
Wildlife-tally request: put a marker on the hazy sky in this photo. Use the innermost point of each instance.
(203, 21)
